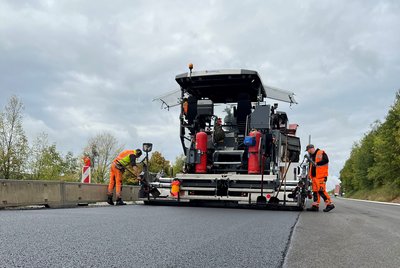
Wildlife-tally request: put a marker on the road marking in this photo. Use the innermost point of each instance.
(369, 201)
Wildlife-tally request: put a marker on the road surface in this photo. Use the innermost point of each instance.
(144, 236)
(353, 235)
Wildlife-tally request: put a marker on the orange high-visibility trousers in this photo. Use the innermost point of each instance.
(319, 190)
(115, 179)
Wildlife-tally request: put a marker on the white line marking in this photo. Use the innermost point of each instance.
(369, 201)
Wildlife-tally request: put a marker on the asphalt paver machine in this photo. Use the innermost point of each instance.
(244, 155)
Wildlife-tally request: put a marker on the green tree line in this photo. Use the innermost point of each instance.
(41, 160)
(373, 169)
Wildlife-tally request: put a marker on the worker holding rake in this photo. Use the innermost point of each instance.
(125, 160)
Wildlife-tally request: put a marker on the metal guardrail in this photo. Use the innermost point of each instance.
(16, 193)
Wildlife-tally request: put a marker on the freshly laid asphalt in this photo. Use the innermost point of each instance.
(144, 236)
(355, 234)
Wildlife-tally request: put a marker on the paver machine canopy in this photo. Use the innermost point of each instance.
(245, 92)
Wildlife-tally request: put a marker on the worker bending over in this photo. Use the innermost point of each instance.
(318, 173)
(125, 160)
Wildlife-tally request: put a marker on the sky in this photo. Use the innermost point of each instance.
(86, 67)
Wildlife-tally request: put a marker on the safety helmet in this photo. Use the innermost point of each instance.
(310, 146)
(138, 152)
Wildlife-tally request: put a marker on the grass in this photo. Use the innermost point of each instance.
(386, 193)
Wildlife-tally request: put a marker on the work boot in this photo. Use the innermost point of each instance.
(120, 202)
(110, 200)
(329, 207)
(313, 208)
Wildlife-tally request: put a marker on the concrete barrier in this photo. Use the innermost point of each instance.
(16, 193)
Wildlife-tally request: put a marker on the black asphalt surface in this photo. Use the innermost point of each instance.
(144, 236)
(354, 234)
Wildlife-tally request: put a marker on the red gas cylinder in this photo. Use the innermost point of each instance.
(254, 159)
(201, 145)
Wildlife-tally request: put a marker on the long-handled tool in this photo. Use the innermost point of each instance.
(142, 178)
(310, 160)
(261, 199)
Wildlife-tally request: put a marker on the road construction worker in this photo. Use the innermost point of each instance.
(318, 172)
(125, 160)
(219, 134)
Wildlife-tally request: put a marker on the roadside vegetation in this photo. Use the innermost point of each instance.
(42, 160)
(372, 171)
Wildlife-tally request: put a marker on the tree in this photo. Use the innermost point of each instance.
(179, 164)
(52, 164)
(374, 162)
(347, 173)
(386, 149)
(13, 141)
(70, 168)
(158, 163)
(36, 164)
(46, 162)
(363, 159)
(102, 149)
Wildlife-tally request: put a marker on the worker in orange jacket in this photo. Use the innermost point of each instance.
(318, 172)
(124, 160)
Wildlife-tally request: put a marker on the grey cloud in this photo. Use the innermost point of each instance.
(83, 67)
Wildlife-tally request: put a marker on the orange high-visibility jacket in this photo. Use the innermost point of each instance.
(124, 157)
(321, 171)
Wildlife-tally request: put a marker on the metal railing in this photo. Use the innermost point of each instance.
(16, 193)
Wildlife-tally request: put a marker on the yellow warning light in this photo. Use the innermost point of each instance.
(190, 66)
